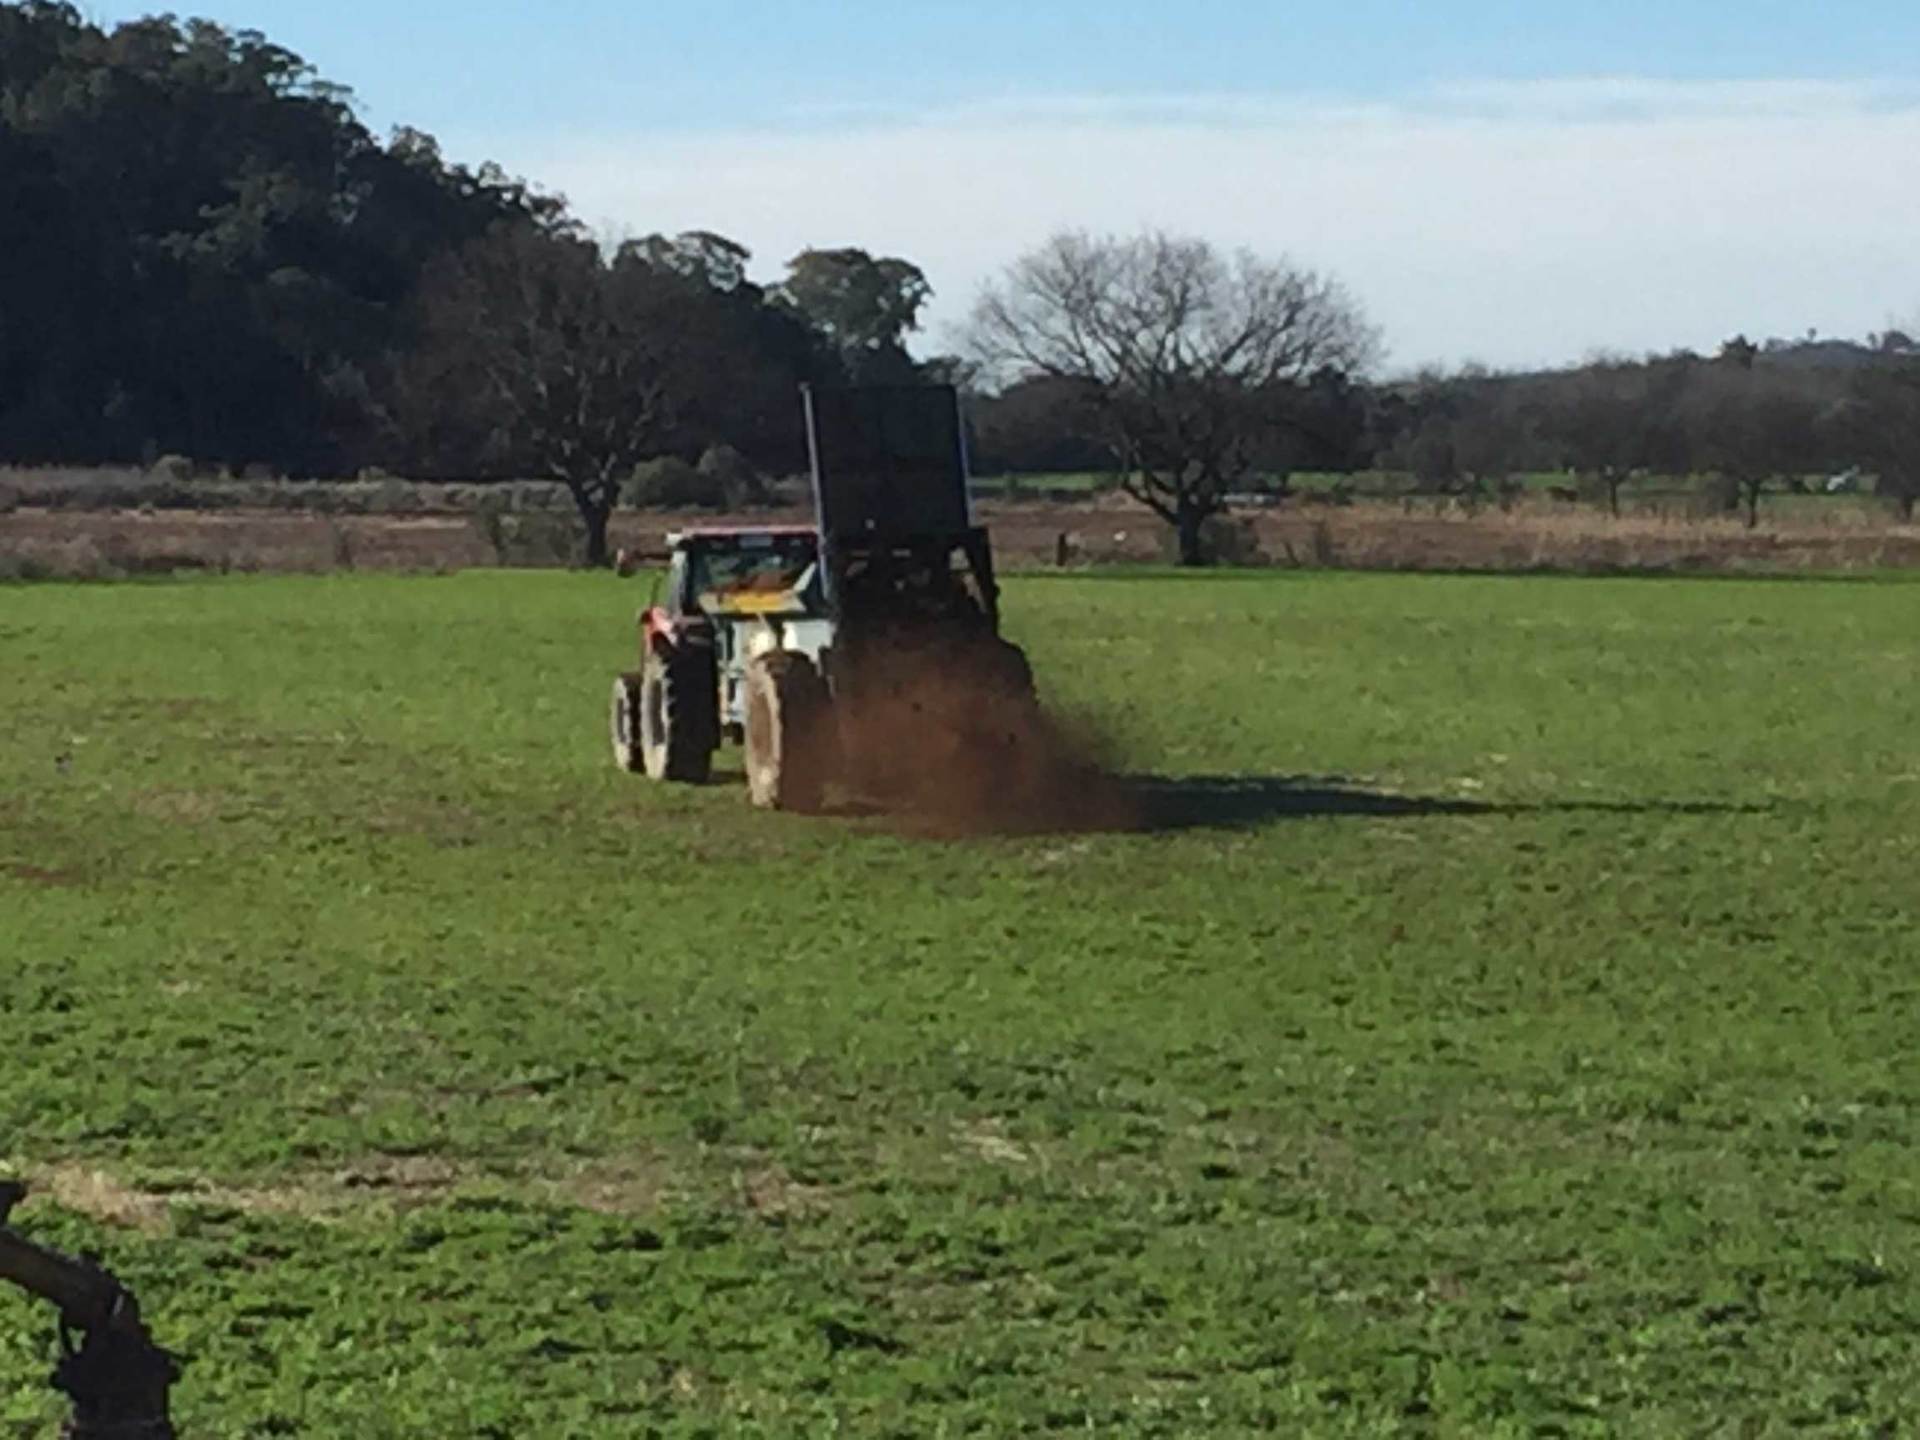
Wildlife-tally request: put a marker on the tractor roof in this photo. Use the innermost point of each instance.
(677, 538)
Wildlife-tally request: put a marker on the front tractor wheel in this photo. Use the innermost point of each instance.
(625, 723)
(790, 749)
(676, 716)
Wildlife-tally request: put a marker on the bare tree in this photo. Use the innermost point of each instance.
(554, 361)
(1186, 356)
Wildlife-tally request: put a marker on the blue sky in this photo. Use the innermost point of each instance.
(600, 64)
(1513, 182)
(605, 64)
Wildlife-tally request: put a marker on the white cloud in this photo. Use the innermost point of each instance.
(1640, 97)
(1512, 223)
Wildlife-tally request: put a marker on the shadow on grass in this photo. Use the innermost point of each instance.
(1229, 802)
(1148, 804)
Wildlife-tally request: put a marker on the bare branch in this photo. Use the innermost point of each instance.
(1185, 353)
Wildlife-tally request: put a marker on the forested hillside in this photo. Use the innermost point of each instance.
(204, 252)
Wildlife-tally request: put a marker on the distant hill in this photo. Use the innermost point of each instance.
(1829, 354)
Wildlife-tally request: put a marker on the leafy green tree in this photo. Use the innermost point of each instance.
(700, 256)
(1036, 426)
(864, 306)
(742, 353)
(47, 349)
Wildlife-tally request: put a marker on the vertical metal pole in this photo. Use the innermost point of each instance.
(966, 459)
(829, 560)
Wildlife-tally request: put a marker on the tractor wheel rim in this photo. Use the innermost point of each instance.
(653, 715)
(760, 739)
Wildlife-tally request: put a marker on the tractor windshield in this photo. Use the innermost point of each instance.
(755, 575)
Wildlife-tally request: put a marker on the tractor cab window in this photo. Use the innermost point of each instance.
(755, 575)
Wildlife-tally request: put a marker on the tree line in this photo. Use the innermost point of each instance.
(1784, 415)
(1727, 428)
(205, 253)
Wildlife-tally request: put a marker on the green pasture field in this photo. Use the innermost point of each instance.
(1506, 1027)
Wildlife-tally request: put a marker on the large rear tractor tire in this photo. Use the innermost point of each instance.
(678, 716)
(791, 750)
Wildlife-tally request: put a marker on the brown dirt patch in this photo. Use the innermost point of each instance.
(97, 1194)
(374, 1182)
(98, 543)
(183, 807)
(399, 1175)
(40, 875)
(1418, 534)
(771, 1192)
(987, 1140)
(1429, 534)
(609, 1187)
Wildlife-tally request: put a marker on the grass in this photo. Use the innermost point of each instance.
(1511, 1033)
(1052, 483)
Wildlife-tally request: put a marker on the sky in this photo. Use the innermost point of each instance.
(1497, 182)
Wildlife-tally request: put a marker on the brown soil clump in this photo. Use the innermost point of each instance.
(947, 750)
